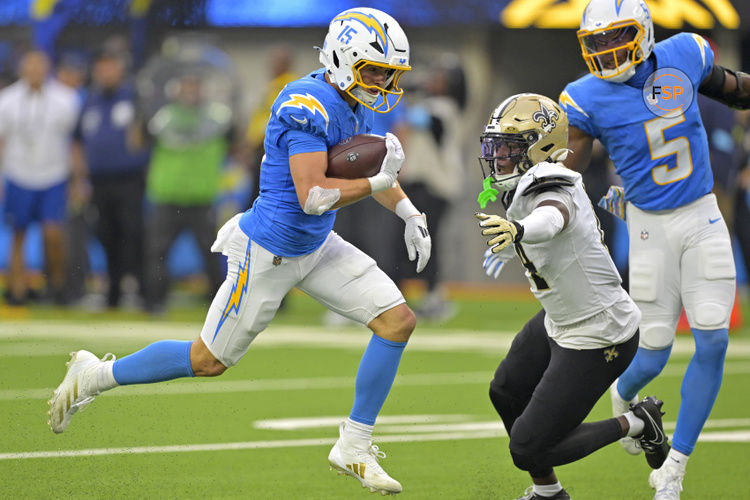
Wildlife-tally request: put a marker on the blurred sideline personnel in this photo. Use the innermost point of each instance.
(433, 170)
(72, 70)
(680, 250)
(285, 240)
(569, 353)
(108, 168)
(280, 64)
(37, 116)
(191, 136)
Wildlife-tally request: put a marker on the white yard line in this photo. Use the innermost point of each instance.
(204, 386)
(248, 445)
(290, 384)
(483, 431)
(424, 339)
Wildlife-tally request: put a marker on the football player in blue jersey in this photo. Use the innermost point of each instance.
(680, 249)
(285, 241)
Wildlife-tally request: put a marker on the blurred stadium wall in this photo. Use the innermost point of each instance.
(504, 46)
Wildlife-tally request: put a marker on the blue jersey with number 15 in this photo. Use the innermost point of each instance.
(308, 116)
(663, 161)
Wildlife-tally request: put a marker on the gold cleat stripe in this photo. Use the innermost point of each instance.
(75, 390)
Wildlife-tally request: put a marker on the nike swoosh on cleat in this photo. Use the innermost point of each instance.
(711, 221)
(660, 435)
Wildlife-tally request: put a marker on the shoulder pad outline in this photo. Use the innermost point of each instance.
(544, 183)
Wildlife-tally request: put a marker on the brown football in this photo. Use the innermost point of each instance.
(356, 157)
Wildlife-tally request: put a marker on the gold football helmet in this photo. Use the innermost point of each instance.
(525, 129)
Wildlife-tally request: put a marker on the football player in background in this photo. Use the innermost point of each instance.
(569, 353)
(285, 240)
(680, 249)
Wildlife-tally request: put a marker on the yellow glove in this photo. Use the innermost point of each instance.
(507, 231)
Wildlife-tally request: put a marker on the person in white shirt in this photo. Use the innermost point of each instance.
(568, 354)
(37, 117)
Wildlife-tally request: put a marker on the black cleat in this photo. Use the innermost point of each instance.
(653, 440)
(530, 495)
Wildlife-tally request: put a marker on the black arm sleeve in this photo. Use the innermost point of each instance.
(713, 87)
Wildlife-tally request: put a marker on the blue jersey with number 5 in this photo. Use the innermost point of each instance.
(663, 161)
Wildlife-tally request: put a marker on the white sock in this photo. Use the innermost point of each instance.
(636, 424)
(358, 430)
(677, 459)
(105, 379)
(547, 490)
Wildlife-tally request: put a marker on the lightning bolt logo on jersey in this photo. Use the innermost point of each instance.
(663, 160)
(308, 115)
(306, 102)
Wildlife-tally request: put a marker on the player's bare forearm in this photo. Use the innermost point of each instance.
(728, 87)
(308, 172)
(580, 143)
(390, 197)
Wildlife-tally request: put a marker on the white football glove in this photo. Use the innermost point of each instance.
(391, 166)
(418, 241)
(507, 231)
(493, 263)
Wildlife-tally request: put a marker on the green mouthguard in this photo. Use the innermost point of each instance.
(488, 194)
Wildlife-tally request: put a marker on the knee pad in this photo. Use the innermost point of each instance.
(711, 313)
(503, 399)
(497, 396)
(521, 461)
(708, 302)
(523, 455)
(656, 337)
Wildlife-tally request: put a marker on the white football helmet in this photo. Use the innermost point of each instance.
(615, 36)
(525, 129)
(360, 37)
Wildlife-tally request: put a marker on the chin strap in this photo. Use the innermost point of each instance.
(560, 155)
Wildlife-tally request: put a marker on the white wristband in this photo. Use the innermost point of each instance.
(406, 209)
(380, 182)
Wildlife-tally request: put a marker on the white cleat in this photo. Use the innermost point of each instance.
(620, 407)
(667, 481)
(360, 460)
(76, 390)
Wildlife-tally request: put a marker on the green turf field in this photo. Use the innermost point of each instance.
(264, 429)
